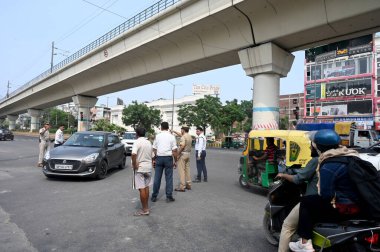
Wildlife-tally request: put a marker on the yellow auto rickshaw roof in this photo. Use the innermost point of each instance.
(284, 134)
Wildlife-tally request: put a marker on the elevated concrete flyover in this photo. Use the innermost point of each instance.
(192, 36)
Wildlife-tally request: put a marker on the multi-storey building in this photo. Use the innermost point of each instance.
(340, 83)
(291, 106)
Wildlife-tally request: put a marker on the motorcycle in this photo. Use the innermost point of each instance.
(351, 235)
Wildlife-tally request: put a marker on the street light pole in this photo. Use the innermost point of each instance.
(315, 93)
(173, 106)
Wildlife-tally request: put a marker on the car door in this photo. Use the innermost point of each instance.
(111, 151)
(119, 146)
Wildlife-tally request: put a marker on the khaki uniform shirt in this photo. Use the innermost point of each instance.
(44, 136)
(186, 142)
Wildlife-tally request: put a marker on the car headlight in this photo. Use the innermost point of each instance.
(47, 155)
(91, 158)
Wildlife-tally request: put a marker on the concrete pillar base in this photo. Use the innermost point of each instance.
(12, 121)
(266, 63)
(34, 119)
(84, 104)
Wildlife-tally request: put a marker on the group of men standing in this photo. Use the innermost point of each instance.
(164, 156)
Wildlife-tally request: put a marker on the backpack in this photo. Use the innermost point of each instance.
(367, 180)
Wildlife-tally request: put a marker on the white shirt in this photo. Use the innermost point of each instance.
(200, 143)
(59, 137)
(142, 148)
(164, 143)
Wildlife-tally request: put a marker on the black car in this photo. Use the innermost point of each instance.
(6, 135)
(85, 154)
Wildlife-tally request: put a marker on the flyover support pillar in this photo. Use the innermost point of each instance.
(12, 121)
(84, 104)
(266, 63)
(34, 119)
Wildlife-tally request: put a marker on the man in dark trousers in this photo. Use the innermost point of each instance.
(200, 155)
(165, 152)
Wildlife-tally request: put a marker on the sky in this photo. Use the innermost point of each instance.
(28, 29)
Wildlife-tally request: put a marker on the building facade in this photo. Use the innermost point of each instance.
(292, 107)
(341, 83)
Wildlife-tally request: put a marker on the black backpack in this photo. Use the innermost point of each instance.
(367, 180)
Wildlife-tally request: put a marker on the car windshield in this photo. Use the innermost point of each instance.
(129, 135)
(85, 140)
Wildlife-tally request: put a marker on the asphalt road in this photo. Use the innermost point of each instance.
(40, 214)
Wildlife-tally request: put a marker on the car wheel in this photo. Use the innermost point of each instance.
(123, 161)
(102, 170)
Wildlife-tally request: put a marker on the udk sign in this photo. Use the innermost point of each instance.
(346, 92)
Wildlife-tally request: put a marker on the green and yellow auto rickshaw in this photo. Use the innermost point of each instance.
(293, 150)
(230, 142)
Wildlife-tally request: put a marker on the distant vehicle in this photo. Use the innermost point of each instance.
(371, 154)
(6, 134)
(129, 138)
(85, 154)
(230, 142)
(350, 135)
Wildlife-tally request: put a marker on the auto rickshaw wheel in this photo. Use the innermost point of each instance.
(243, 182)
(271, 236)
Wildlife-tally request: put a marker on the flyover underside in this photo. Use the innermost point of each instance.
(201, 36)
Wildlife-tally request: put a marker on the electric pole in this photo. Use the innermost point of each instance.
(8, 87)
(52, 56)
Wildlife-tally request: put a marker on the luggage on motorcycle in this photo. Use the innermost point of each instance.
(367, 180)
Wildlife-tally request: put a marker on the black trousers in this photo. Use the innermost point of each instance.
(314, 209)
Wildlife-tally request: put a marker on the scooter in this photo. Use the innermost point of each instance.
(350, 235)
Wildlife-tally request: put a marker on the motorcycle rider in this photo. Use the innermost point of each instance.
(307, 174)
(337, 195)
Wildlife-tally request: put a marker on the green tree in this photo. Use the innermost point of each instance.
(247, 109)
(204, 113)
(140, 115)
(284, 123)
(230, 113)
(105, 125)
(58, 117)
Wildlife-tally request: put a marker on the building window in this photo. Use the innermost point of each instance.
(295, 101)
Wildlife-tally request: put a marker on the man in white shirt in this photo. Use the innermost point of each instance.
(165, 150)
(142, 153)
(58, 140)
(200, 155)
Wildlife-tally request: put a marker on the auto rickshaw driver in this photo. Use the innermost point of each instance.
(269, 155)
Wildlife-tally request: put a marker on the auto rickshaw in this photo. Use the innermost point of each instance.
(293, 151)
(229, 142)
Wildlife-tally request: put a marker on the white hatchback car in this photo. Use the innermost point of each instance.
(128, 139)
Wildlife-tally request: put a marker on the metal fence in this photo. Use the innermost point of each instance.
(130, 23)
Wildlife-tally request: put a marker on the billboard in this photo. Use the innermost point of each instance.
(206, 90)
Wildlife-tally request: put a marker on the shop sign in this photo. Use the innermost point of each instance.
(325, 56)
(342, 52)
(346, 92)
(360, 49)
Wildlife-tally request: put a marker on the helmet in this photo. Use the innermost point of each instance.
(327, 137)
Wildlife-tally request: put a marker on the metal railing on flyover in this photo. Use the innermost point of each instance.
(130, 23)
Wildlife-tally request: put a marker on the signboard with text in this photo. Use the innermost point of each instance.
(206, 90)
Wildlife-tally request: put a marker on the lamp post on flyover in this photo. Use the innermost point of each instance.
(172, 102)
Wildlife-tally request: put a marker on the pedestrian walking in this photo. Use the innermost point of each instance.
(59, 138)
(200, 155)
(44, 142)
(142, 153)
(165, 151)
(184, 159)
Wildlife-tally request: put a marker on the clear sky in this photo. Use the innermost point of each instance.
(29, 27)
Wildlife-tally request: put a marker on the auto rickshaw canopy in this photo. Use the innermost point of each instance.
(297, 144)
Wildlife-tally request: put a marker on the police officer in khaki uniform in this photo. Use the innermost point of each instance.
(44, 142)
(184, 159)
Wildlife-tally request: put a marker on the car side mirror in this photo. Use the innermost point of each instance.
(110, 144)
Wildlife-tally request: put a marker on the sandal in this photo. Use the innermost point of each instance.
(141, 213)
